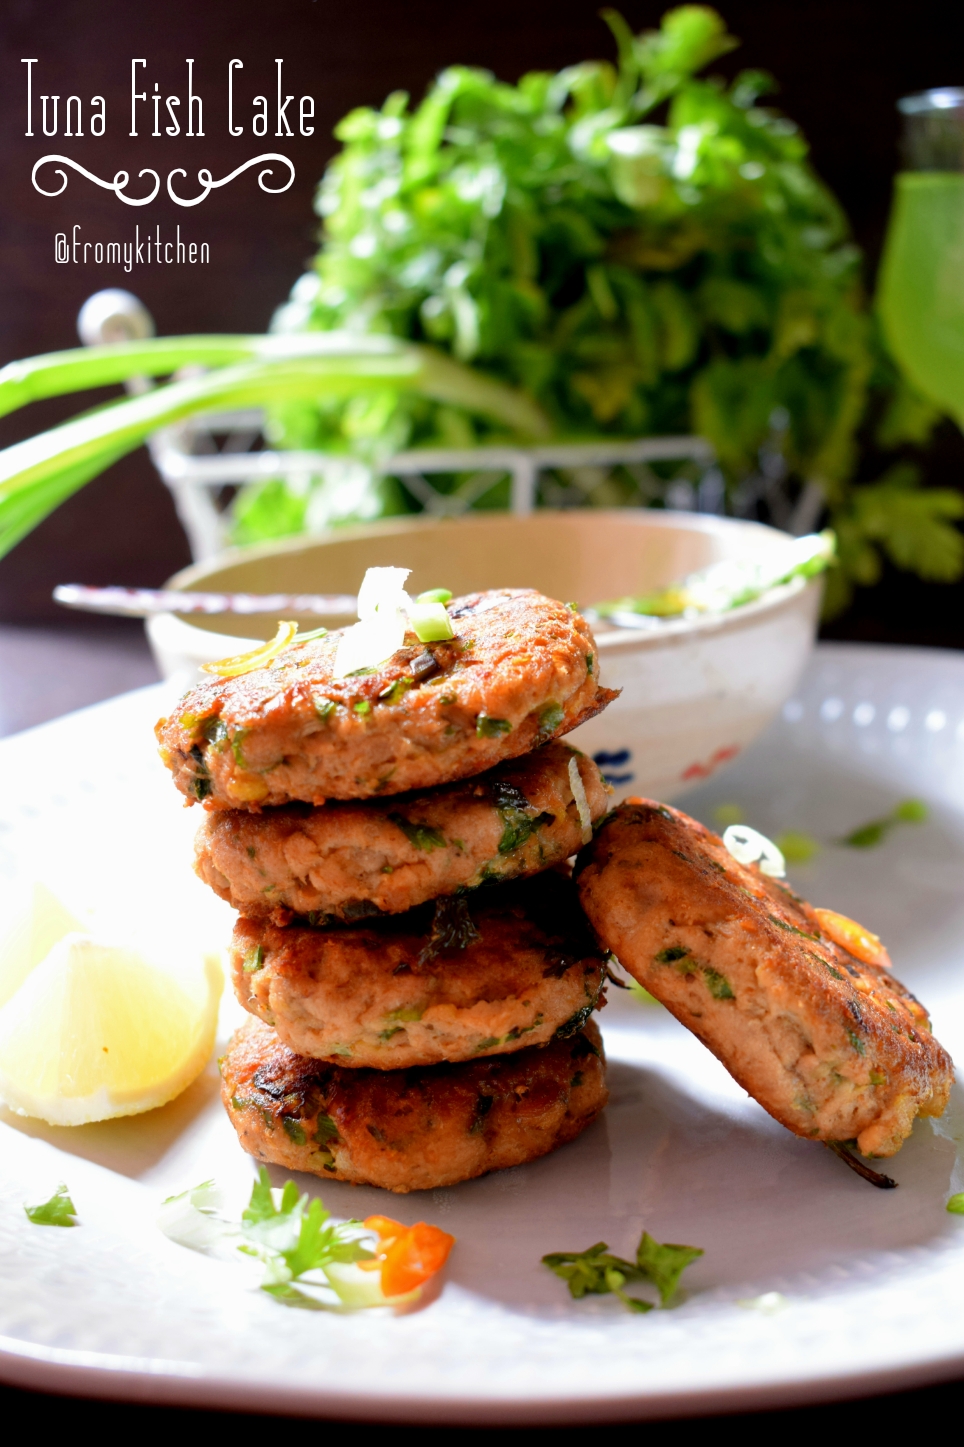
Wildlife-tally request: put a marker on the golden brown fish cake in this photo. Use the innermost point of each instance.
(349, 861)
(522, 669)
(410, 1130)
(507, 968)
(834, 1049)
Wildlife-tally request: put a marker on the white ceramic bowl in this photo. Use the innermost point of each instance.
(695, 692)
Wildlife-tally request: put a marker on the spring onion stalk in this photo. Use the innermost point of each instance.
(36, 475)
(430, 622)
(579, 796)
(749, 846)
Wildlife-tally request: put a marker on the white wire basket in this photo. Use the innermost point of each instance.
(207, 459)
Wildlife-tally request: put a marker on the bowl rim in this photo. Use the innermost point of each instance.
(608, 639)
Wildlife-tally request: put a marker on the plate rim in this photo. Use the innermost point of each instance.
(100, 1375)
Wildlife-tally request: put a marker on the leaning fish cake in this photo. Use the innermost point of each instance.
(833, 1047)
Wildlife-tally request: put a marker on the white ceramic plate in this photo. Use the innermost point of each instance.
(873, 1281)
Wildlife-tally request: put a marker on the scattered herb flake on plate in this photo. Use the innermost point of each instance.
(58, 1211)
(597, 1272)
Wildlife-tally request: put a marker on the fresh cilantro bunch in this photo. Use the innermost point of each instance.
(597, 1272)
(642, 250)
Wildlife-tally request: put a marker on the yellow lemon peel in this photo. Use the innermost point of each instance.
(256, 658)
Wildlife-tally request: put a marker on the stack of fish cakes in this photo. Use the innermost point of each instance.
(410, 946)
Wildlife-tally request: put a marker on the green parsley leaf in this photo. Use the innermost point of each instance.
(584, 1272)
(423, 836)
(671, 954)
(452, 929)
(868, 836)
(597, 1272)
(664, 1265)
(261, 1207)
(58, 1211)
(517, 815)
(294, 1239)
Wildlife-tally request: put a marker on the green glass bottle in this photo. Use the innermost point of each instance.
(920, 293)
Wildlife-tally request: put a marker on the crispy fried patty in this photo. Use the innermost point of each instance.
(835, 1049)
(349, 861)
(521, 669)
(409, 1130)
(507, 968)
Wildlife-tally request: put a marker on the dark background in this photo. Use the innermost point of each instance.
(841, 66)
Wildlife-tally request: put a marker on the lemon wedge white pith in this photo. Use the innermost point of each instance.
(97, 1031)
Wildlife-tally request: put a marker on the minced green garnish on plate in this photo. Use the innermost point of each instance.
(868, 836)
(58, 1211)
(596, 1272)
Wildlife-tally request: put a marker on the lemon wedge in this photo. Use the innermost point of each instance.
(28, 934)
(99, 1030)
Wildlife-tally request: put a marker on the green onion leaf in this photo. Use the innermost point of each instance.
(491, 728)
(430, 622)
(253, 960)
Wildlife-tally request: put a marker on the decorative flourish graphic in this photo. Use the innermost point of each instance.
(118, 184)
(206, 180)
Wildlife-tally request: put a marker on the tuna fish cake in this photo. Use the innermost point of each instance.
(510, 967)
(348, 861)
(521, 670)
(834, 1049)
(409, 1130)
